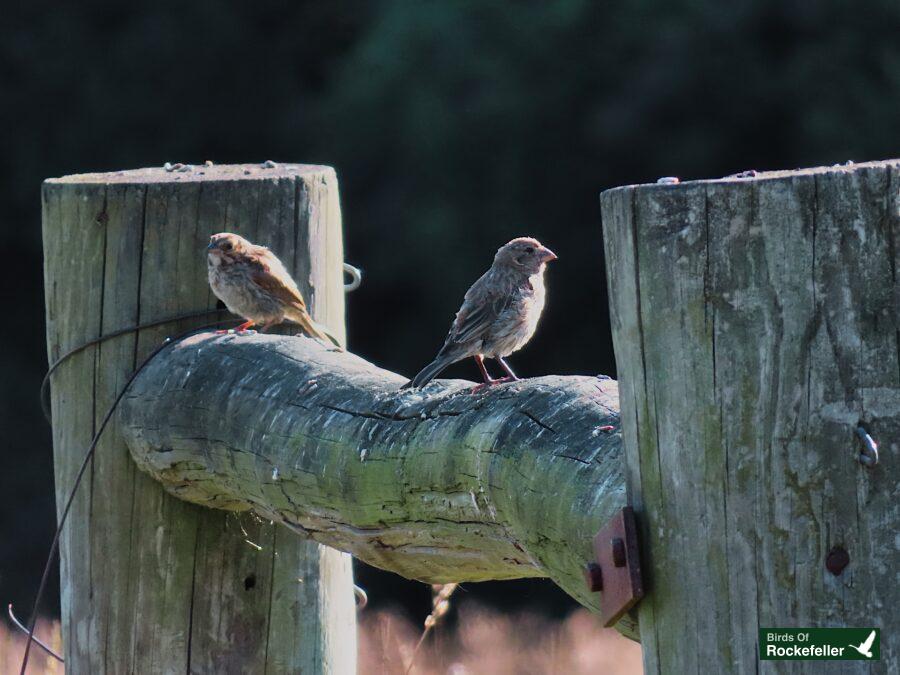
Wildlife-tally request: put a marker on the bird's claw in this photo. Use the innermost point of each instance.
(236, 331)
(490, 383)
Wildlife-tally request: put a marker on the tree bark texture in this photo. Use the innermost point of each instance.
(444, 484)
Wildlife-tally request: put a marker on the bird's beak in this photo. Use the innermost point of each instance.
(211, 246)
(547, 255)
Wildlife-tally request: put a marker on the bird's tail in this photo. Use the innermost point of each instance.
(314, 330)
(428, 373)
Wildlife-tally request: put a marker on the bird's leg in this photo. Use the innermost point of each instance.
(509, 371)
(237, 329)
(486, 376)
(488, 380)
(267, 326)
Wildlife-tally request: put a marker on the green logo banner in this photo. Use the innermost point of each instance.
(819, 644)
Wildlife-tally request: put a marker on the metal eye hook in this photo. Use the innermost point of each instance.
(356, 277)
(869, 454)
(362, 599)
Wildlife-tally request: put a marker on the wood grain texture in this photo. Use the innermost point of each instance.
(755, 323)
(151, 584)
(440, 485)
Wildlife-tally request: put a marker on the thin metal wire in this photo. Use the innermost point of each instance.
(54, 546)
(37, 641)
(45, 403)
(355, 273)
(356, 276)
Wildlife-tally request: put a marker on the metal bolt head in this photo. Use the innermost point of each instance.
(593, 575)
(836, 560)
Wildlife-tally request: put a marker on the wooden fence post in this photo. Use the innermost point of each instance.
(756, 326)
(151, 584)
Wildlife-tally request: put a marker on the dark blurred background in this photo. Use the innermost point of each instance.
(453, 126)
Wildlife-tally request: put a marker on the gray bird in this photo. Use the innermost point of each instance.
(499, 314)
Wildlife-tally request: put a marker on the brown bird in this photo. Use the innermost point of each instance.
(499, 314)
(254, 284)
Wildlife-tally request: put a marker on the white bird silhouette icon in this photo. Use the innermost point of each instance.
(865, 647)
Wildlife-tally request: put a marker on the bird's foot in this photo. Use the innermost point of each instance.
(490, 383)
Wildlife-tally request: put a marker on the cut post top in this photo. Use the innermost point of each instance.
(194, 173)
(759, 176)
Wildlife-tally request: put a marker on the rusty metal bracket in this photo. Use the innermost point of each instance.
(617, 573)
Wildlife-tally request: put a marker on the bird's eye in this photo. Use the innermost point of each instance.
(529, 249)
(226, 246)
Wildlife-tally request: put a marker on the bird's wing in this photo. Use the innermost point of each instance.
(271, 276)
(485, 301)
(868, 643)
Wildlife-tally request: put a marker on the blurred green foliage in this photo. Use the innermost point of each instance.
(453, 125)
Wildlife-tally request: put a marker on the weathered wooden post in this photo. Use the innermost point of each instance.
(152, 584)
(756, 327)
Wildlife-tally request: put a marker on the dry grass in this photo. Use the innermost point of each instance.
(484, 642)
(488, 643)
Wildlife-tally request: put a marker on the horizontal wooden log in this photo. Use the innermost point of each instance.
(440, 485)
